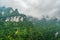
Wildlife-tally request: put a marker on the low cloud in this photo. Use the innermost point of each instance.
(35, 8)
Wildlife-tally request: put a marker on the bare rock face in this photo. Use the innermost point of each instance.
(14, 19)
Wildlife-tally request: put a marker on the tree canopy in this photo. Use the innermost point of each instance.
(30, 29)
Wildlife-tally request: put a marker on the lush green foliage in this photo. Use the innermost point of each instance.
(29, 29)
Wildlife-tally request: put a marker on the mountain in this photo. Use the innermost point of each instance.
(8, 14)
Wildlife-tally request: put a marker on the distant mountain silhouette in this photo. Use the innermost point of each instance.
(8, 14)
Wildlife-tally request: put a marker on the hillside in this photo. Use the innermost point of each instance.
(29, 29)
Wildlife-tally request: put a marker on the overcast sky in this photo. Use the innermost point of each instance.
(35, 8)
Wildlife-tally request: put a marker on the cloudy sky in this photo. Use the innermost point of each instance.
(35, 8)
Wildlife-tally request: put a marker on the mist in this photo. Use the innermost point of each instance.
(35, 8)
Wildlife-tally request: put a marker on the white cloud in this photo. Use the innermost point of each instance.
(35, 8)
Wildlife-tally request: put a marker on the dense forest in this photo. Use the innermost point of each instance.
(29, 29)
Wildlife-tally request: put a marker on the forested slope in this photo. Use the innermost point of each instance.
(28, 29)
